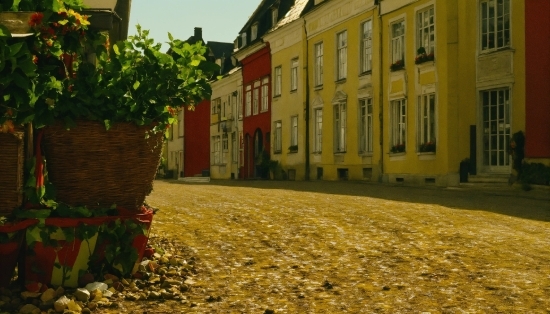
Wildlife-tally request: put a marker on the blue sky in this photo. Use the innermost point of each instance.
(221, 20)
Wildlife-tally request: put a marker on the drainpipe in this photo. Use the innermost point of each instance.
(306, 109)
(381, 90)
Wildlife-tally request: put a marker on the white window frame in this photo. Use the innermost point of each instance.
(274, 16)
(340, 125)
(216, 149)
(248, 101)
(398, 122)
(366, 46)
(342, 55)
(425, 29)
(294, 130)
(215, 106)
(225, 147)
(366, 127)
(265, 95)
(319, 64)
(294, 74)
(397, 33)
(278, 81)
(427, 110)
(243, 39)
(254, 32)
(277, 137)
(256, 98)
(318, 135)
(499, 24)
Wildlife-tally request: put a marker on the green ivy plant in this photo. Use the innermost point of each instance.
(138, 83)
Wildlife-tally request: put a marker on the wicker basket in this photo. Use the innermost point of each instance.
(91, 166)
(11, 171)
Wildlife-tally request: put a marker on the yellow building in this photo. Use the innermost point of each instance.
(344, 90)
(454, 88)
(289, 64)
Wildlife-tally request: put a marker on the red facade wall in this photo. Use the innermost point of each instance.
(255, 67)
(196, 144)
(537, 66)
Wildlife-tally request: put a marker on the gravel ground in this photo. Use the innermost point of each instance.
(354, 247)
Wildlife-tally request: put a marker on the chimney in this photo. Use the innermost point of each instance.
(198, 33)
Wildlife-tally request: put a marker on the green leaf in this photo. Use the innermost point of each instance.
(20, 81)
(15, 48)
(136, 85)
(107, 124)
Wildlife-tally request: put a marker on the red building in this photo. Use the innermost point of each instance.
(196, 141)
(537, 67)
(257, 110)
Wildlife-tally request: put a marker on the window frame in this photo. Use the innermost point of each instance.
(277, 88)
(427, 120)
(495, 23)
(342, 55)
(294, 130)
(340, 127)
(398, 124)
(421, 27)
(397, 40)
(318, 129)
(274, 16)
(234, 148)
(243, 39)
(254, 31)
(264, 106)
(366, 125)
(216, 151)
(366, 47)
(256, 98)
(294, 74)
(277, 137)
(248, 101)
(319, 58)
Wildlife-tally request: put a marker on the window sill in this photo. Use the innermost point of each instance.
(398, 70)
(425, 64)
(495, 50)
(293, 91)
(292, 152)
(369, 72)
(266, 110)
(319, 87)
(366, 154)
(277, 96)
(426, 156)
(340, 153)
(277, 152)
(340, 81)
(398, 156)
(317, 153)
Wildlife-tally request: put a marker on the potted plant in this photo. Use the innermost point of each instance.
(397, 65)
(103, 138)
(398, 148)
(422, 56)
(427, 147)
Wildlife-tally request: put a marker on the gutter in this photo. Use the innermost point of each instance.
(306, 109)
(381, 91)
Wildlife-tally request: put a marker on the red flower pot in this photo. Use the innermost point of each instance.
(9, 251)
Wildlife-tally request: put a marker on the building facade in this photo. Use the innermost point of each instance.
(226, 126)
(289, 106)
(342, 37)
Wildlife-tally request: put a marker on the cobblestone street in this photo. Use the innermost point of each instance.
(355, 247)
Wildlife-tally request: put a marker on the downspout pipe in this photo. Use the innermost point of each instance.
(381, 90)
(306, 109)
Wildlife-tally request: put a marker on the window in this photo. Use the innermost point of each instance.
(235, 99)
(278, 81)
(277, 140)
(294, 74)
(398, 42)
(398, 120)
(254, 32)
(426, 30)
(496, 127)
(243, 39)
(366, 46)
(342, 58)
(495, 24)
(265, 94)
(294, 133)
(274, 16)
(319, 64)
(216, 105)
(318, 141)
(180, 124)
(256, 98)
(365, 125)
(248, 106)
(216, 141)
(340, 127)
(234, 149)
(427, 123)
(225, 147)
